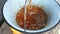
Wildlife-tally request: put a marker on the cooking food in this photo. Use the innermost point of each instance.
(36, 18)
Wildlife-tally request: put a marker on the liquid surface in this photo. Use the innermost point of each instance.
(36, 18)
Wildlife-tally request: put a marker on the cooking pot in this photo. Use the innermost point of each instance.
(11, 7)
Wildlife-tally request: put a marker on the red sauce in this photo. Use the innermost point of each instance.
(36, 18)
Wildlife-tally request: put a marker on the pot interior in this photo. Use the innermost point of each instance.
(51, 8)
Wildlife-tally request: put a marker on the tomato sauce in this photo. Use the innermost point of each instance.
(36, 18)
